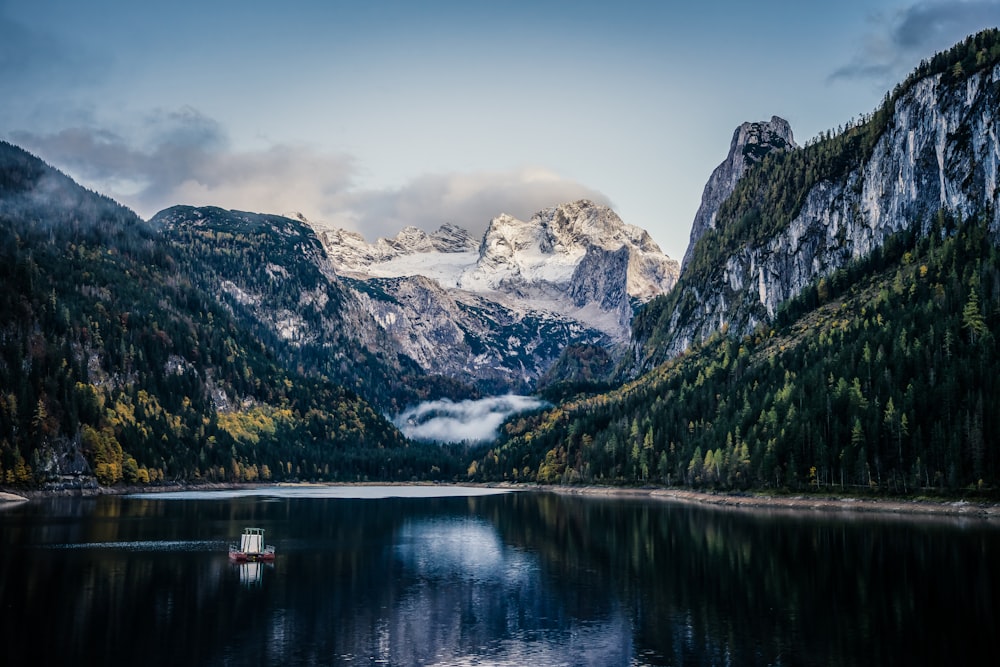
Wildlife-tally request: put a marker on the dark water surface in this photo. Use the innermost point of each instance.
(519, 578)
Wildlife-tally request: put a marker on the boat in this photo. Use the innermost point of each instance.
(251, 547)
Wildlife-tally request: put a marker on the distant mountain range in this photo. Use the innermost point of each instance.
(499, 311)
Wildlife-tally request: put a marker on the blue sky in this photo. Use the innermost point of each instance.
(374, 115)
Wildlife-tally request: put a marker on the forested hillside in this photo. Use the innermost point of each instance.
(883, 376)
(117, 362)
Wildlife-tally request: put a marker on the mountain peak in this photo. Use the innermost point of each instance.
(452, 238)
(756, 139)
(411, 239)
(578, 259)
(752, 140)
(543, 257)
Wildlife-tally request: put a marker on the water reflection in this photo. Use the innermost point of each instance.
(467, 594)
(512, 579)
(252, 572)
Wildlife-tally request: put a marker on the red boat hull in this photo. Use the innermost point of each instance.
(242, 557)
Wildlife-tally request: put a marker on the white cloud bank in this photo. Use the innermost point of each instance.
(184, 157)
(464, 421)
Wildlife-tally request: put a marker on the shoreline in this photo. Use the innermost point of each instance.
(800, 503)
(832, 504)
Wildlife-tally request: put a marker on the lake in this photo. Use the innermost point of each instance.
(476, 577)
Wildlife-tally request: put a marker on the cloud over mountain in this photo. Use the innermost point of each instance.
(185, 157)
(469, 200)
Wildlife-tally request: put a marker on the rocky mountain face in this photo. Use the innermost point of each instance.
(751, 142)
(464, 335)
(931, 150)
(498, 313)
(272, 274)
(532, 264)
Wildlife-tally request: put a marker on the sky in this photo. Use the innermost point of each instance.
(375, 115)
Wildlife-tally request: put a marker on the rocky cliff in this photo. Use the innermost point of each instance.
(931, 148)
(466, 336)
(751, 142)
(498, 313)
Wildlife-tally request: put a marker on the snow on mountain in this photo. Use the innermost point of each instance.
(534, 264)
(352, 255)
(498, 312)
(547, 249)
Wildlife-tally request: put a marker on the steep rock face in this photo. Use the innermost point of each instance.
(940, 151)
(600, 280)
(463, 335)
(545, 251)
(751, 142)
(451, 238)
(541, 259)
(497, 313)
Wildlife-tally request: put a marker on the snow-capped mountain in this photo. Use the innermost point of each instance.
(577, 260)
(498, 312)
(546, 251)
(350, 253)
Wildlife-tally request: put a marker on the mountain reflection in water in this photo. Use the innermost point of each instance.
(508, 579)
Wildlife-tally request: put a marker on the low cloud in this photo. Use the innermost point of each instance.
(185, 157)
(898, 42)
(464, 421)
(469, 200)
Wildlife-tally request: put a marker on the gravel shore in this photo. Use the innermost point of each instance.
(802, 503)
(749, 501)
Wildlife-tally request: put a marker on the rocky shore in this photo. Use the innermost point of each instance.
(816, 503)
(744, 501)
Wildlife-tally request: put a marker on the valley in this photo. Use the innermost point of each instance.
(831, 329)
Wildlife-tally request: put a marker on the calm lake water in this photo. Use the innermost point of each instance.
(522, 578)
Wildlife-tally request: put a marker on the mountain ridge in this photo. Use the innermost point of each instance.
(801, 214)
(528, 265)
(118, 363)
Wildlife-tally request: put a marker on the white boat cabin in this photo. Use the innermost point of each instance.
(252, 541)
